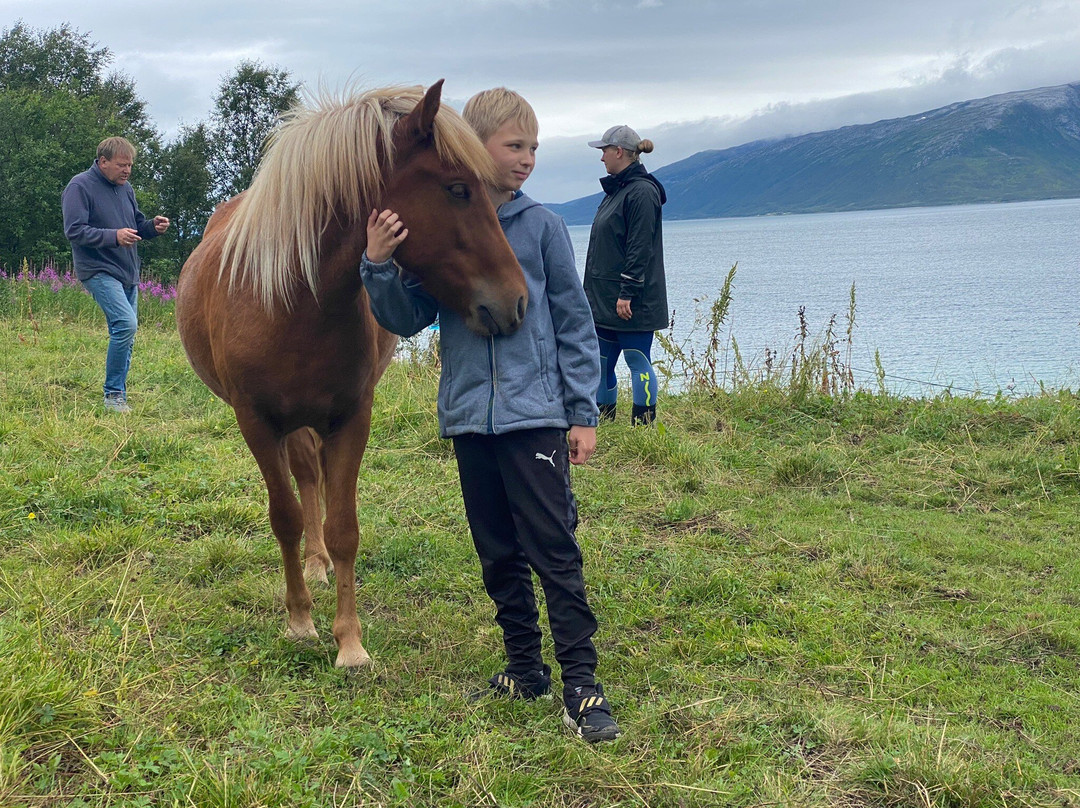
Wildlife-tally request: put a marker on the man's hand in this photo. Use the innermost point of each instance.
(161, 223)
(126, 237)
(582, 443)
(385, 231)
(622, 308)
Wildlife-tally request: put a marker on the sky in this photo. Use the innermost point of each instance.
(688, 74)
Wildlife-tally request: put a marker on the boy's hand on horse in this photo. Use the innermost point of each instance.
(385, 231)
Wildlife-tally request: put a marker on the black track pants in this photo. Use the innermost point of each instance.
(522, 514)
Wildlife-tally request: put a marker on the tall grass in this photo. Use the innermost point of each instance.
(56, 291)
(706, 359)
(807, 598)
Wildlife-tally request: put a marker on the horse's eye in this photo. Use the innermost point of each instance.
(459, 190)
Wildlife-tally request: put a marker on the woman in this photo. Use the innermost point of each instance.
(624, 271)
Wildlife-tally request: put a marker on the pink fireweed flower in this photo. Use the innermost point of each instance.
(49, 276)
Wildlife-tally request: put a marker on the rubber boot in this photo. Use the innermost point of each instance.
(643, 415)
(607, 412)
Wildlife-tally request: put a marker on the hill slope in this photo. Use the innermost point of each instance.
(1012, 147)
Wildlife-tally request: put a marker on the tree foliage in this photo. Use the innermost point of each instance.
(58, 100)
(215, 160)
(60, 59)
(56, 104)
(185, 192)
(246, 111)
(44, 140)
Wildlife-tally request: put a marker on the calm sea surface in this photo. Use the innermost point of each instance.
(978, 298)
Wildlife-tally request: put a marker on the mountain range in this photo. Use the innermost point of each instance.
(1005, 148)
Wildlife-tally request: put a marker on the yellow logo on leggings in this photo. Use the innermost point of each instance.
(648, 394)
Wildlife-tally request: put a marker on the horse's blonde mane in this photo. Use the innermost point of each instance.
(320, 164)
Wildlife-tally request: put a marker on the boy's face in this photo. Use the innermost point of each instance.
(514, 152)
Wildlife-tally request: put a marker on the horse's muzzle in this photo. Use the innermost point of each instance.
(490, 321)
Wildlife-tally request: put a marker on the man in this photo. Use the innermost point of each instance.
(103, 222)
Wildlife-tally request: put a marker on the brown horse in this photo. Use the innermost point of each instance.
(275, 320)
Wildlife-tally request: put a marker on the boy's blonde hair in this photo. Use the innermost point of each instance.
(488, 110)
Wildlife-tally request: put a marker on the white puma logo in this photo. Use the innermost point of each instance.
(549, 458)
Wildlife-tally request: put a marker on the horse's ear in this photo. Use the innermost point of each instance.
(422, 119)
(430, 104)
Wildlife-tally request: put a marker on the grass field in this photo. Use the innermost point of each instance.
(821, 601)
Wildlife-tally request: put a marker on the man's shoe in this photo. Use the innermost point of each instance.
(588, 714)
(506, 685)
(117, 402)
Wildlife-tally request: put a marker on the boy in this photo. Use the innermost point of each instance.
(519, 409)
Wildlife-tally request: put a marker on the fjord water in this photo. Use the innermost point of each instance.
(976, 298)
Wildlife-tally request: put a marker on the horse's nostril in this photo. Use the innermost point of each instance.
(521, 308)
(489, 322)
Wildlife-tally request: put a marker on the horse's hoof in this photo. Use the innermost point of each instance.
(316, 574)
(353, 663)
(303, 634)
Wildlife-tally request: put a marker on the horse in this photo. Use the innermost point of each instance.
(274, 318)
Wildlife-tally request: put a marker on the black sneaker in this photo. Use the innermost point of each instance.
(506, 685)
(588, 714)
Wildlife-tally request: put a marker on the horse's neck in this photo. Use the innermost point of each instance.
(339, 263)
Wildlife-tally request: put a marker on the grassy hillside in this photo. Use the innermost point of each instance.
(804, 601)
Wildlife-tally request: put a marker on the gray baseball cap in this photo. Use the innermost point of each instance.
(622, 136)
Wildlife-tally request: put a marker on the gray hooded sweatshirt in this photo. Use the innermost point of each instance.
(545, 374)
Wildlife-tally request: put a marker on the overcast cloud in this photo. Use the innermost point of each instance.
(688, 75)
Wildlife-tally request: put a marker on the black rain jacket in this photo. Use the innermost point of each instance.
(626, 253)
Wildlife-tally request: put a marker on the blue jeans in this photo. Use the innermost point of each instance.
(121, 306)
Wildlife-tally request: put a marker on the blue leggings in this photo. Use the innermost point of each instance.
(636, 346)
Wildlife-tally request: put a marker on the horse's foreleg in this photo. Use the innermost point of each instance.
(286, 519)
(305, 461)
(343, 452)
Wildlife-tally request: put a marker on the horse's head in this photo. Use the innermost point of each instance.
(455, 244)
